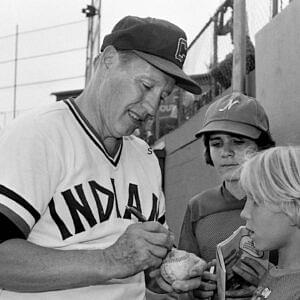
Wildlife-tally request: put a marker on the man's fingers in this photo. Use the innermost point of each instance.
(198, 268)
(202, 294)
(181, 286)
(207, 276)
(157, 234)
(154, 273)
(158, 251)
(164, 285)
(159, 280)
(159, 239)
(141, 246)
(239, 298)
(153, 226)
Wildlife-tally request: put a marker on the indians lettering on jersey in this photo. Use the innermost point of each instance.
(104, 211)
(76, 193)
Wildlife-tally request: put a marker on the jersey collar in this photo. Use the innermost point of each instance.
(92, 133)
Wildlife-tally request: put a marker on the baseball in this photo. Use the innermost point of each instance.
(178, 263)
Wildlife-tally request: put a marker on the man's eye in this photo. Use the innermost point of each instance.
(147, 86)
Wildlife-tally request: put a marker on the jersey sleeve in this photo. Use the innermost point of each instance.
(29, 171)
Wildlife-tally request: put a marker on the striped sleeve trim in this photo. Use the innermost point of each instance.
(15, 219)
(21, 201)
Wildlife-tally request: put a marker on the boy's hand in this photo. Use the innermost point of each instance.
(242, 294)
(249, 269)
(208, 284)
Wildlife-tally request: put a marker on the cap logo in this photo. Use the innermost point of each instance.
(230, 103)
(181, 50)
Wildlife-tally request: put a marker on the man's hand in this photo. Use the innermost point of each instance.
(159, 285)
(192, 285)
(141, 246)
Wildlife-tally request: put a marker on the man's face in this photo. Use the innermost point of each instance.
(228, 152)
(131, 94)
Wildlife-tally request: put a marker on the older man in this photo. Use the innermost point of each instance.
(69, 170)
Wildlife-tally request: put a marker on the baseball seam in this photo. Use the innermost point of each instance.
(178, 259)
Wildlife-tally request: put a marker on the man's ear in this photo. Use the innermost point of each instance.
(109, 56)
(96, 60)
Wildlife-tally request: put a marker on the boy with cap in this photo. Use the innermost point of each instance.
(234, 127)
(69, 170)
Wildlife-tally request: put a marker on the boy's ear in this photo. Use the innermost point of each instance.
(109, 56)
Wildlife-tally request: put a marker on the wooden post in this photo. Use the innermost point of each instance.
(239, 42)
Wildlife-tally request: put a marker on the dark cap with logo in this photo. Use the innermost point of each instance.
(159, 42)
(236, 113)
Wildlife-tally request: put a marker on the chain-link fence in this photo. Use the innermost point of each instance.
(54, 60)
(209, 62)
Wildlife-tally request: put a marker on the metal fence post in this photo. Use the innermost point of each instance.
(239, 41)
(16, 69)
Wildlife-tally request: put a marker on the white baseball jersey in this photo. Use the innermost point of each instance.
(63, 190)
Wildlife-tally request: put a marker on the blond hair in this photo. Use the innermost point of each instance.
(272, 178)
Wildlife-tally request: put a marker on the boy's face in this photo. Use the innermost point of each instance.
(228, 152)
(269, 230)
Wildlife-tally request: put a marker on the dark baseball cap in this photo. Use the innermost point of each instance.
(159, 42)
(236, 113)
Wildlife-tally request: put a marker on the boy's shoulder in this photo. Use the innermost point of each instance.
(206, 202)
(212, 201)
(214, 194)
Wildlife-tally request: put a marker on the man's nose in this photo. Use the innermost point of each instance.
(150, 104)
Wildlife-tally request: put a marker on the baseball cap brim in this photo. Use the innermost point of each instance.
(231, 127)
(182, 79)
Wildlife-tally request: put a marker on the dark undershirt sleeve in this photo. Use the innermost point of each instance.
(187, 239)
(273, 257)
(8, 230)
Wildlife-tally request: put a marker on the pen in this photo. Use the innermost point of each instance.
(136, 213)
(139, 216)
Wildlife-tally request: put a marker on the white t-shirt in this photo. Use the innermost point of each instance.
(64, 191)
